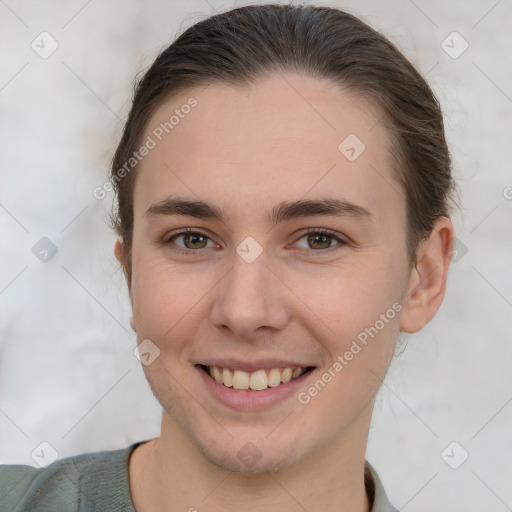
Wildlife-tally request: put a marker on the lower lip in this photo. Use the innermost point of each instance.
(252, 400)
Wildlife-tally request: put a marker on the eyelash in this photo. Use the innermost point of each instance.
(318, 252)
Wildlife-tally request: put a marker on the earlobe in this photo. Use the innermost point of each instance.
(427, 282)
(118, 251)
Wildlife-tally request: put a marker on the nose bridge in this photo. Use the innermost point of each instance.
(250, 295)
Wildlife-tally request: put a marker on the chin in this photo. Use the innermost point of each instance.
(248, 460)
(245, 450)
(250, 450)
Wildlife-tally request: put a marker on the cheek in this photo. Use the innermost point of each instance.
(167, 300)
(363, 313)
(346, 299)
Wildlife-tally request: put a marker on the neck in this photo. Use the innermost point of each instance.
(171, 469)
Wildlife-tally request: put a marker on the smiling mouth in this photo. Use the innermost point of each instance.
(258, 380)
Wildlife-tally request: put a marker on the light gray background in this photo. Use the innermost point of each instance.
(67, 372)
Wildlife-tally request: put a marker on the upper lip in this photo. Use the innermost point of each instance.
(254, 365)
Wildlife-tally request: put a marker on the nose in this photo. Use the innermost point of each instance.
(250, 300)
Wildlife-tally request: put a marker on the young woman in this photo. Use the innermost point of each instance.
(283, 186)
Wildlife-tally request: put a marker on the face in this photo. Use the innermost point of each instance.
(271, 284)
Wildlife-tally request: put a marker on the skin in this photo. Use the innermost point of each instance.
(245, 150)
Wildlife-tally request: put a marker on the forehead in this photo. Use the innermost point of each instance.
(284, 137)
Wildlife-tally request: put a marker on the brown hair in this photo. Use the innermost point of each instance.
(243, 44)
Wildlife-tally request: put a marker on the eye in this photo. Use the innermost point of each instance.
(317, 241)
(320, 240)
(192, 240)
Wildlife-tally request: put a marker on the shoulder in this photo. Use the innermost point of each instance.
(90, 481)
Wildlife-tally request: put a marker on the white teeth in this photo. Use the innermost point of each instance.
(256, 381)
(227, 378)
(217, 375)
(297, 372)
(240, 380)
(286, 376)
(274, 378)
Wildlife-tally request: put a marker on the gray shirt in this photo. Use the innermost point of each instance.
(99, 482)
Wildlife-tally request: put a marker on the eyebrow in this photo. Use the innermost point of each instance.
(284, 211)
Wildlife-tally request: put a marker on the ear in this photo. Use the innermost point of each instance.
(119, 254)
(427, 281)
